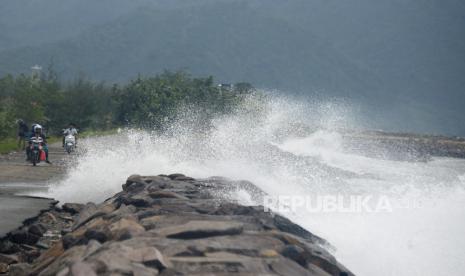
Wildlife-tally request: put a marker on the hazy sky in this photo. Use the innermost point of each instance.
(403, 60)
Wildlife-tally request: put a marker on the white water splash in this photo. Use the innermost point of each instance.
(290, 148)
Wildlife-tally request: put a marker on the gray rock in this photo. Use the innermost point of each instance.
(82, 269)
(184, 178)
(119, 257)
(135, 178)
(162, 221)
(9, 259)
(37, 229)
(21, 269)
(176, 175)
(133, 187)
(235, 209)
(285, 267)
(202, 229)
(72, 208)
(296, 254)
(315, 270)
(4, 268)
(141, 270)
(90, 212)
(8, 247)
(219, 263)
(22, 236)
(287, 226)
(138, 200)
(124, 211)
(70, 240)
(42, 245)
(166, 194)
(87, 213)
(91, 247)
(247, 244)
(313, 256)
(125, 229)
(100, 235)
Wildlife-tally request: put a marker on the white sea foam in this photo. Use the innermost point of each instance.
(291, 148)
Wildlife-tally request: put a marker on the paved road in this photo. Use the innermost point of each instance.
(19, 177)
(14, 168)
(16, 209)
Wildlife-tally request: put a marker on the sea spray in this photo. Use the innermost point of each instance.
(290, 148)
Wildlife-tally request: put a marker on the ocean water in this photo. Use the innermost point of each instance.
(413, 223)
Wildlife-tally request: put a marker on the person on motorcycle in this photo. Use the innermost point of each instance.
(38, 133)
(30, 135)
(71, 130)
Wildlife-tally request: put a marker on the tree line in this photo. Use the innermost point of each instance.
(142, 102)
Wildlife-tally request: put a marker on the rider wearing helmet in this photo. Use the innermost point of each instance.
(71, 130)
(38, 133)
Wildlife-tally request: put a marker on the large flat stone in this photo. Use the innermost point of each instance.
(198, 229)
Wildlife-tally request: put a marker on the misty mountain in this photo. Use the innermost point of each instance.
(401, 61)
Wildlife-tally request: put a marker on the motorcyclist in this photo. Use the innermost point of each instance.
(38, 133)
(71, 130)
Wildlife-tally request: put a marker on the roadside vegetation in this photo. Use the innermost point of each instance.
(97, 107)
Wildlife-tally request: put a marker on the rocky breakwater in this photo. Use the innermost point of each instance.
(170, 225)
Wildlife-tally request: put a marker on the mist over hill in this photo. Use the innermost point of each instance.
(401, 62)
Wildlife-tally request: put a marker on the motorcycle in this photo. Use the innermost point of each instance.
(70, 143)
(37, 153)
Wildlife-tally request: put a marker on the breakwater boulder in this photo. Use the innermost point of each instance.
(173, 225)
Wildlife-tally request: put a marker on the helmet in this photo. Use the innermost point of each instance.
(38, 129)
